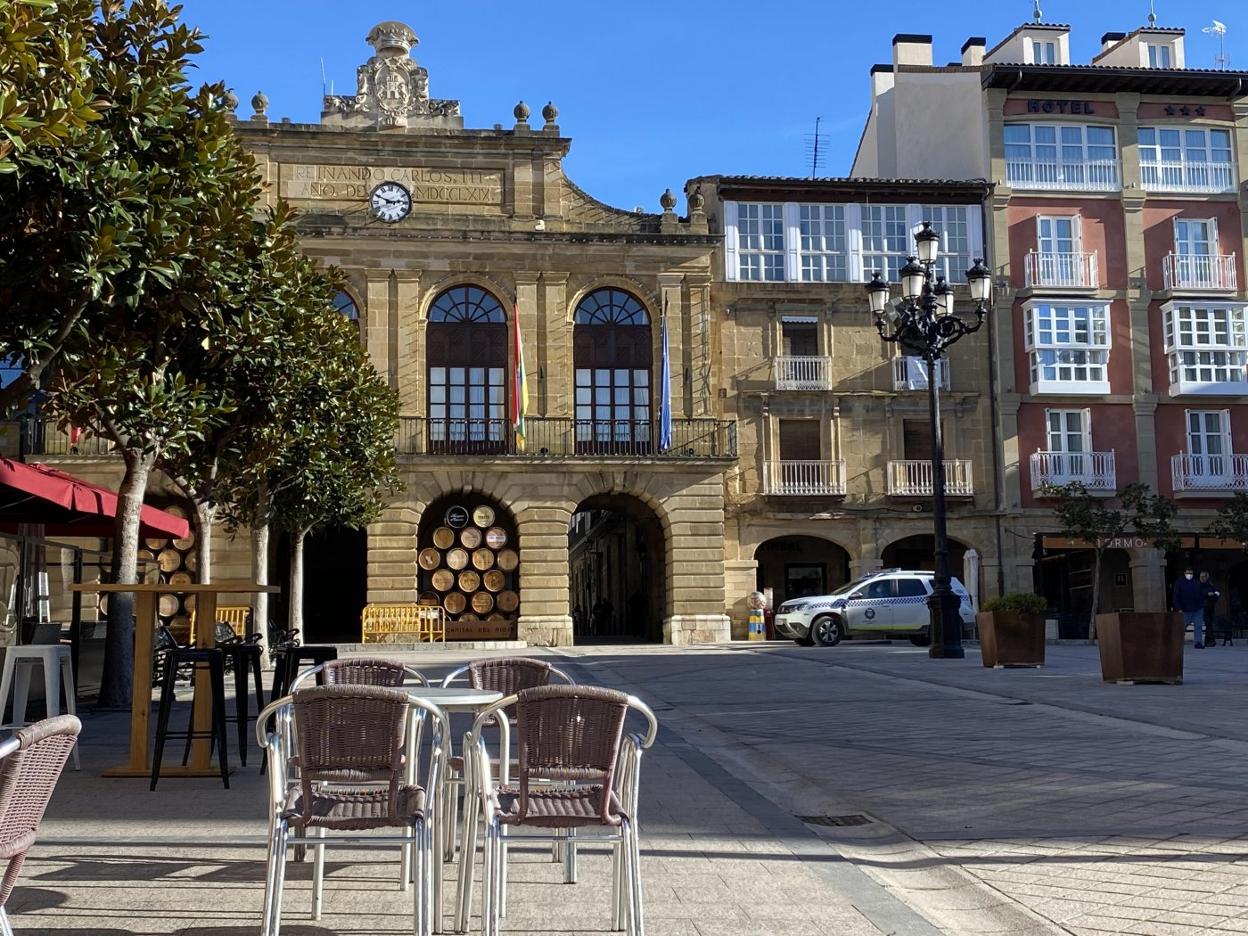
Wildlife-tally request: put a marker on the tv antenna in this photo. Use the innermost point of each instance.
(814, 151)
(1221, 60)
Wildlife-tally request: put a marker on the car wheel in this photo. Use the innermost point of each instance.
(921, 640)
(827, 631)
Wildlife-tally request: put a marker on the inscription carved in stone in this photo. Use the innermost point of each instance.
(310, 181)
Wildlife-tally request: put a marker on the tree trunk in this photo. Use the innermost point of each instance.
(117, 682)
(1096, 593)
(260, 531)
(294, 598)
(204, 514)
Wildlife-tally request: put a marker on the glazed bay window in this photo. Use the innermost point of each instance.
(796, 242)
(1068, 347)
(1177, 159)
(1207, 348)
(760, 250)
(1061, 157)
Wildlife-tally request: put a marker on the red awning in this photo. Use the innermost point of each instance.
(69, 506)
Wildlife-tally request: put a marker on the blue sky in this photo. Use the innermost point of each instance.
(652, 92)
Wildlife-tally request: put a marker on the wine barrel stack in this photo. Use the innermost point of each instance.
(175, 558)
(469, 566)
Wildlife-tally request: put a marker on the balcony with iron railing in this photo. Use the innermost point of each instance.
(801, 372)
(34, 435)
(910, 373)
(1207, 272)
(1184, 176)
(1094, 470)
(805, 478)
(913, 478)
(696, 438)
(1076, 270)
(1209, 475)
(1090, 175)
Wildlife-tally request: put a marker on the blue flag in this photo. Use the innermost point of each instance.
(665, 391)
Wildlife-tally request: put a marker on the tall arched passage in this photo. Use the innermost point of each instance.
(467, 372)
(617, 570)
(468, 563)
(917, 552)
(798, 566)
(613, 358)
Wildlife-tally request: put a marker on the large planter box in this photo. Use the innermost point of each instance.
(1141, 646)
(1011, 638)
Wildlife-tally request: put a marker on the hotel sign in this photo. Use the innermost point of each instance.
(314, 182)
(1041, 106)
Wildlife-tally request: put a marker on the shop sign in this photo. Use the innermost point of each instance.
(457, 517)
(1117, 542)
(1042, 106)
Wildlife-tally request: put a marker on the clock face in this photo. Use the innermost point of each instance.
(390, 202)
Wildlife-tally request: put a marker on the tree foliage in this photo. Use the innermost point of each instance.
(1232, 520)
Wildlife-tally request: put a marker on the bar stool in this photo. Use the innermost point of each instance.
(292, 660)
(58, 672)
(244, 659)
(197, 657)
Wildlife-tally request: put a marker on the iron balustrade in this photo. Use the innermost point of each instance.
(1209, 472)
(805, 478)
(913, 478)
(565, 437)
(34, 436)
(1184, 176)
(1076, 270)
(1200, 271)
(910, 373)
(1096, 471)
(802, 372)
(1088, 175)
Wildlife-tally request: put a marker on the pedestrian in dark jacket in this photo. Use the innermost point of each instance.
(1189, 599)
(1210, 594)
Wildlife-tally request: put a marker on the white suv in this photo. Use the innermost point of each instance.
(888, 603)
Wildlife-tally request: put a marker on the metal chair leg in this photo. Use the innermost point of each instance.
(467, 858)
(569, 857)
(318, 877)
(636, 917)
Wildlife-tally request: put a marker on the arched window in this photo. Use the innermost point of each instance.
(467, 371)
(346, 305)
(612, 355)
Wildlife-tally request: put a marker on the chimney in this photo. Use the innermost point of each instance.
(973, 51)
(912, 49)
(1111, 38)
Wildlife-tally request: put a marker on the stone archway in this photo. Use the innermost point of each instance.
(797, 566)
(468, 563)
(915, 552)
(617, 573)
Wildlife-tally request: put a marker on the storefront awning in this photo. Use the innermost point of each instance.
(32, 493)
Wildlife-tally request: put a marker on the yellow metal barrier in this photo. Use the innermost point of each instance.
(400, 623)
(234, 615)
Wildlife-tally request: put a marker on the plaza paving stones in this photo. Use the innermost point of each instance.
(1020, 802)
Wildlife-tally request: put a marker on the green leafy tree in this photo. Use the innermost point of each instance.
(1097, 523)
(119, 251)
(1232, 520)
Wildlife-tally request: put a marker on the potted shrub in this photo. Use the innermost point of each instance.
(1011, 630)
(1134, 646)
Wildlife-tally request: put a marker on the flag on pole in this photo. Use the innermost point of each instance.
(665, 388)
(520, 387)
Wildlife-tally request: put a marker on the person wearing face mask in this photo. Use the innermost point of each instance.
(1189, 599)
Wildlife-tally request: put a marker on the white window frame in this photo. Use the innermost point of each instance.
(858, 264)
(1191, 170)
(1064, 415)
(1083, 174)
(1044, 52)
(817, 251)
(768, 213)
(1157, 51)
(1195, 347)
(1095, 350)
(1182, 245)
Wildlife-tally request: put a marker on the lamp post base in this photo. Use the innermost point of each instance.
(946, 626)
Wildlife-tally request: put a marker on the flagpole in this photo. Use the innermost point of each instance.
(665, 386)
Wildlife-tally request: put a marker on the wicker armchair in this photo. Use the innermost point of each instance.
(577, 774)
(343, 731)
(361, 671)
(30, 764)
(507, 675)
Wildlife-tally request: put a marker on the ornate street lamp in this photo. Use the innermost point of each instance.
(924, 323)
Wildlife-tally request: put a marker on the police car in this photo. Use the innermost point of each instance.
(884, 604)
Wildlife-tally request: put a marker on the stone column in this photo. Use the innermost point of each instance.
(1148, 579)
(545, 620)
(557, 388)
(410, 372)
(377, 319)
(695, 564)
(391, 569)
(671, 299)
